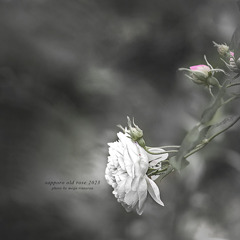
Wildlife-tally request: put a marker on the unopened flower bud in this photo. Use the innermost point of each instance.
(134, 132)
(203, 75)
(200, 73)
(223, 49)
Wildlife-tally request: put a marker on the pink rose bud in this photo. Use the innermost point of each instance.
(200, 73)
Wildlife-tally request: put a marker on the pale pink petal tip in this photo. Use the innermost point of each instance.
(198, 67)
(232, 54)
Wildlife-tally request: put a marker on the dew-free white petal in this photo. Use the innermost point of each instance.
(154, 191)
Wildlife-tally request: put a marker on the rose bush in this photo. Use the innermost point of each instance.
(126, 171)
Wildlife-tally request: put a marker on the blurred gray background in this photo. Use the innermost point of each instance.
(70, 71)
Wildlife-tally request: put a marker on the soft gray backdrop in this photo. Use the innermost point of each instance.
(70, 71)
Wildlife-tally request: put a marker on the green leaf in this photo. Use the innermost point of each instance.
(210, 112)
(192, 139)
(222, 126)
(178, 164)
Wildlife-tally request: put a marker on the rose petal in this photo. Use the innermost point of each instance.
(128, 163)
(127, 208)
(154, 191)
(135, 183)
(160, 157)
(121, 188)
(131, 198)
(140, 210)
(121, 163)
(128, 184)
(142, 193)
(144, 160)
(122, 138)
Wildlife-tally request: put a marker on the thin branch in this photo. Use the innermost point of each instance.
(211, 138)
(232, 84)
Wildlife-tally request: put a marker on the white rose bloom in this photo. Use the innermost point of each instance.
(126, 173)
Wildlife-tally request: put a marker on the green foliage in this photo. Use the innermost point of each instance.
(206, 130)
